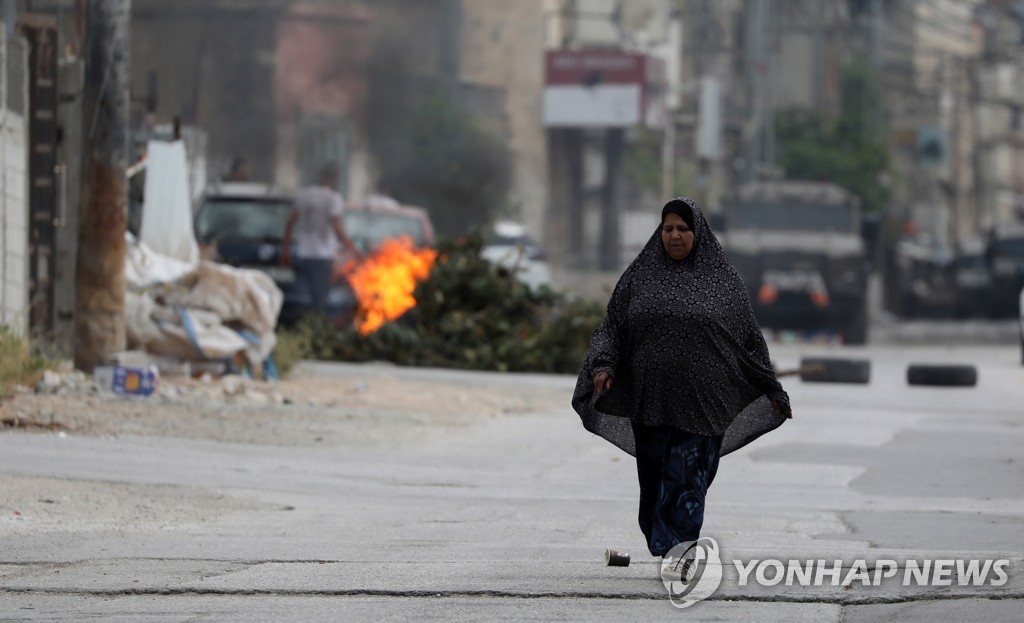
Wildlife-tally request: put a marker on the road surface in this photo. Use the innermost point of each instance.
(506, 516)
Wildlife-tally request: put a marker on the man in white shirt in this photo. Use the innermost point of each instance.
(316, 221)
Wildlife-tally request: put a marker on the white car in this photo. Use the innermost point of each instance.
(509, 246)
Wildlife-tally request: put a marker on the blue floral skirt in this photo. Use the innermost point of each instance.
(675, 469)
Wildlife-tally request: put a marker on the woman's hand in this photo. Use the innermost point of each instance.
(783, 410)
(602, 382)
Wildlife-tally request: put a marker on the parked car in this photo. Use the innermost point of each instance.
(922, 278)
(509, 246)
(973, 281)
(243, 225)
(1006, 261)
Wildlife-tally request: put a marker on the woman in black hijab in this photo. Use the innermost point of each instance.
(678, 374)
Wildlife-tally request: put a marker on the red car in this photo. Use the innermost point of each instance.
(371, 222)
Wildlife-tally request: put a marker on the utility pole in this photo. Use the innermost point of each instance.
(768, 50)
(100, 299)
(871, 124)
(668, 145)
(758, 38)
(818, 58)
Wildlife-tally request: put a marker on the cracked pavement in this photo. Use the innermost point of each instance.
(507, 517)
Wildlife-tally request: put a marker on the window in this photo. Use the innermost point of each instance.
(1010, 246)
(792, 216)
(242, 218)
(368, 230)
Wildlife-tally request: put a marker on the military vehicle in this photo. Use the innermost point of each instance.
(798, 247)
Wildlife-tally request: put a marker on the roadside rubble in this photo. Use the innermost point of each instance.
(357, 406)
(71, 402)
(231, 388)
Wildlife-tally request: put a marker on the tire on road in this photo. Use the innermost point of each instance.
(835, 370)
(944, 375)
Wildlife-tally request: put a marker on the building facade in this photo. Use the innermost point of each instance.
(14, 234)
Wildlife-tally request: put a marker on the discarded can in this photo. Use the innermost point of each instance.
(127, 381)
(615, 558)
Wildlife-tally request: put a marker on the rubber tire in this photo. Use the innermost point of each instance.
(837, 370)
(942, 375)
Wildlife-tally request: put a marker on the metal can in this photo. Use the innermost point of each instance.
(615, 558)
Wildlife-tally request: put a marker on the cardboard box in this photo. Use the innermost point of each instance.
(126, 381)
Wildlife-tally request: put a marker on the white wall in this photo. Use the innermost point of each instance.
(14, 301)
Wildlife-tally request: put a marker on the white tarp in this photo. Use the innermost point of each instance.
(235, 294)
(167, 209)
(193, 313)
(190, 334)
(145, 268)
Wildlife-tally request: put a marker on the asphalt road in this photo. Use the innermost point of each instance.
(508, 519)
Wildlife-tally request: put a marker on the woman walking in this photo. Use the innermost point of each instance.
(678, 374)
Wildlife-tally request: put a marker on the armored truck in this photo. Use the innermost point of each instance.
(798, 248)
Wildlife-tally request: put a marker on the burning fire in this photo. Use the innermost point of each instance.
(384, 281)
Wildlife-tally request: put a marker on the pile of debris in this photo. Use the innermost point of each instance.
(473, 314)
(207, 314)
(178, 307)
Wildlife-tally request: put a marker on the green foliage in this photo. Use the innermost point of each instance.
(18, 364)
(471, 314)
(643, 161)
(643, 165)
(849, 151)
(293, 345)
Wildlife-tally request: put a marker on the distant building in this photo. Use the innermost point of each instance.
(999, 114)
(280, 84)
(284, 84)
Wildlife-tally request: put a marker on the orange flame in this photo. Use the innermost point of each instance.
(384, 281)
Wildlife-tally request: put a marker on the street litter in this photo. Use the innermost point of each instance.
(126, 381)
(616, 558)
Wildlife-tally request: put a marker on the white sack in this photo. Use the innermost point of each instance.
(167, 210)
(138, 319)
(242, 295)
(215, 340)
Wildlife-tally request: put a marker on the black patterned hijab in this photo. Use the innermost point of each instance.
(683, 347)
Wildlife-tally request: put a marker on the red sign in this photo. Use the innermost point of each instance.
(602, 89)
(593, 67)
